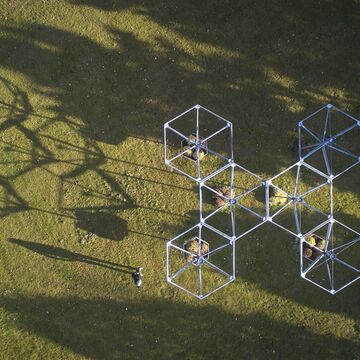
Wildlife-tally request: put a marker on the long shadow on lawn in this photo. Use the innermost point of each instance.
(119, 91)
(57, 253)
(95, 84)
(280, 62)
(104, 329)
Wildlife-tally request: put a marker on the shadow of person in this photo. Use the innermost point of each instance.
(57, 253)
(101, 223)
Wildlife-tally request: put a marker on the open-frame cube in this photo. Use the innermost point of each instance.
(198, 142)
(233, 201)
(299, 199)
(330, 256)
(200, 261)
(329, 141)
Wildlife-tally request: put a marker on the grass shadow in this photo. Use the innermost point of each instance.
(270, 258)
(61, 254)
(119, 330)
(100, 223)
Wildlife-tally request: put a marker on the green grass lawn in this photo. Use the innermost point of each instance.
(85, 87)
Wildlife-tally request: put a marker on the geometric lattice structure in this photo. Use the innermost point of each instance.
(234, 201)
(329, 143)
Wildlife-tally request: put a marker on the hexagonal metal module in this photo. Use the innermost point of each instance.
(200, 261)
(232, 201)
(198, 142)
(329, 141)
(299, 199)
(329, 256)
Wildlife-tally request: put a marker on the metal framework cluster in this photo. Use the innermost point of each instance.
(233, 201)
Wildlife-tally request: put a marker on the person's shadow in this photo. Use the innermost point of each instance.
(67, 255)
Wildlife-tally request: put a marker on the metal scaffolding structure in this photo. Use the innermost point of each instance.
(326, 138)
(199, 144)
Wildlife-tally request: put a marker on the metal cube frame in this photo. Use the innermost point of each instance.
(327, 257)
(201, 143)
(198, 262)
(233, 202)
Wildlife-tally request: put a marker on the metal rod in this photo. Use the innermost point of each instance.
(178, 133)
(181, 154)
(249, 210)
(345, 246)
(216, 268)
(217, 154)
(215, 133)
(218, 249)
(216, 115)
(327, 116)
(248, 191)
(313, 189)
(343, 151)
(311, 133)
(347, 265)
(250, 230)
(216, 211)
(175, 275)
(182, 114)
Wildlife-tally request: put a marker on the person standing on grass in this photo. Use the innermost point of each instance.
(137, 276)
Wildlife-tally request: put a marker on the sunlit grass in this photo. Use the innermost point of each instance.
(84, 90)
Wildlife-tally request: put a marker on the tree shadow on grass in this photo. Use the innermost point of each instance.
(94, 80)
(108, 5)
(103, 224)
(118, 91)
(10, 202)
(57, 253)
(101, 329)
(19, 109)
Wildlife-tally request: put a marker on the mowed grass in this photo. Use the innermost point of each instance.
(85, 87)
